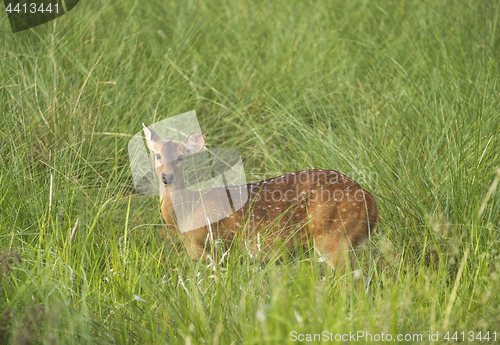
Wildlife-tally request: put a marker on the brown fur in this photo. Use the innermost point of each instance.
(322, 207)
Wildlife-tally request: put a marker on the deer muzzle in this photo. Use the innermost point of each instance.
(167, 179)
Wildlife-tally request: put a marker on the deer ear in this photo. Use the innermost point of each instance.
(195, 143)
(151, 137)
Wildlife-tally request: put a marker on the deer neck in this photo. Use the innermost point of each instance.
(172, 197)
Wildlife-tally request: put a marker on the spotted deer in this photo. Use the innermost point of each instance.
(320, 207)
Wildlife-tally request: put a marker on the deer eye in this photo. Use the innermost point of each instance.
(158, 156)
(179, 159)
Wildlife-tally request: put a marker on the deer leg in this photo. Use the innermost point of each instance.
(336, 247)
(194, 244)
(331, 251)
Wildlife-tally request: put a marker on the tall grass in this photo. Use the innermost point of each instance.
(402, 96)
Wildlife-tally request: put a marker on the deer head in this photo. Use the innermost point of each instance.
(169, 155)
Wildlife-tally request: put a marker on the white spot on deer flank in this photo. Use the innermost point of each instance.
(238, 224)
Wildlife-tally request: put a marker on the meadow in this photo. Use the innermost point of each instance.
(402, 96)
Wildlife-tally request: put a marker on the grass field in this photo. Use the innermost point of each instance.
(402, 96)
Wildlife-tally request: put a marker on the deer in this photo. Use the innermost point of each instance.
(322, 208)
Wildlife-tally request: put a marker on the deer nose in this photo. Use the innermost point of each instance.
(167, 179)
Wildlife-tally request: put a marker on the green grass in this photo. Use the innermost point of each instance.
(403, 96)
